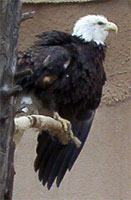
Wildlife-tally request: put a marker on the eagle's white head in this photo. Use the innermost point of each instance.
(93, 27)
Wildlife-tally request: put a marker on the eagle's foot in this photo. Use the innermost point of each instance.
(65, 123)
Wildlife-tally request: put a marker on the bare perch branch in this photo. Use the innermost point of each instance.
(11, 91)
(27, 15)
(23, 73)
(43, 123)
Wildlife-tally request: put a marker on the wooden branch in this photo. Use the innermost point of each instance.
(23, 73)
(6, 93)
(27, 15)
(10, 15)
(41, 122)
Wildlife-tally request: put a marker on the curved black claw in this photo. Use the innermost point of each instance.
(66, 125)
(69, 127)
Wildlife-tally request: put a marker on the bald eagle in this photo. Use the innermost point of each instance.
(67, 80)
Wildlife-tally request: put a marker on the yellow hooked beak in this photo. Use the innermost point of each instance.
(111, 27)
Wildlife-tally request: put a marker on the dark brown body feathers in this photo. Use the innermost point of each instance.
(75, 92)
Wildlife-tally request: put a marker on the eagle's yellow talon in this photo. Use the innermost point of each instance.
(65, 123)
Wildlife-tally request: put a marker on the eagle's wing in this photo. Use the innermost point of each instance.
(54, 159)
(45, 69)
(48, 57)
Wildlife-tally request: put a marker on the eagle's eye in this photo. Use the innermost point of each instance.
(100, 23)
